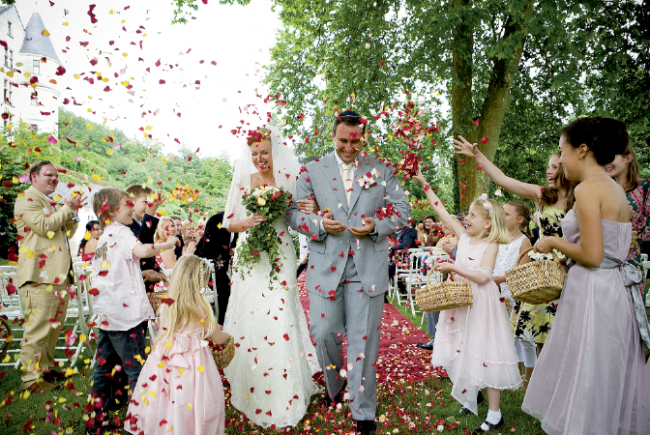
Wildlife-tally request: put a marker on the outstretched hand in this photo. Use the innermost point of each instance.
(367, 228)
(152, 207)
(75, 202)
(332, 226)
(419, 177)
(462, 146)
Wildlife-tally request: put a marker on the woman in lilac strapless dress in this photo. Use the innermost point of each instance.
(592, 377)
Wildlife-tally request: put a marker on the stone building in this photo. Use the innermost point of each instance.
(29, 73)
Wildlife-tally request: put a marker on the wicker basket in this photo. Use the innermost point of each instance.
(224, 354)
(536, 282)
(155, 300)
(444, 296)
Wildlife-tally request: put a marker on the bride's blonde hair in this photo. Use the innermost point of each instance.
(191, 274)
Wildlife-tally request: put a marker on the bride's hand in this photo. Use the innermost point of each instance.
(462, 146)
(255, 220)
(308, 206)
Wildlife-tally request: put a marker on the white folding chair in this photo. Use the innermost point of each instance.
(11, 307)
(408, 273)
(80, 311)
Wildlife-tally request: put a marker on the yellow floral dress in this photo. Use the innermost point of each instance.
(534, 322)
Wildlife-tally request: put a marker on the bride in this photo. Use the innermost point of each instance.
(271, 374)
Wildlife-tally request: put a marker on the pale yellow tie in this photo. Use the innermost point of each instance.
(347, 179)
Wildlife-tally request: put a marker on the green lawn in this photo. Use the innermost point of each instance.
(421, 407)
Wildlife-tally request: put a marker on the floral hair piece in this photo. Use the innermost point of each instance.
(486, 202)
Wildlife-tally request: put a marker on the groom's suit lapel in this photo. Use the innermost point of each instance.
(333, 174)
(359, 172)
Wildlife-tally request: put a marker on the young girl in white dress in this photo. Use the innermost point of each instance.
(475, 343)
(518, 220)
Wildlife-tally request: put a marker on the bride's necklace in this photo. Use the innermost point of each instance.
(264, 182)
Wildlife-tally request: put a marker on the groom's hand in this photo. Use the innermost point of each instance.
(367, 228)
(332, 226)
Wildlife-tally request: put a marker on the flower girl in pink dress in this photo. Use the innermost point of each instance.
(179, 390)
(475, 344)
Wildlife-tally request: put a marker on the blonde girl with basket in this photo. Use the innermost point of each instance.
(518, 221)
(475, 343)
(179, 390)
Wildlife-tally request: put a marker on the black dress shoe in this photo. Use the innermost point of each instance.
(328, 402)
(464, 411)
(366, 427)
(53, 376)
(490, 426)
(425, 346)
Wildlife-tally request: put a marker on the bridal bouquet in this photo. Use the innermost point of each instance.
(271, 202)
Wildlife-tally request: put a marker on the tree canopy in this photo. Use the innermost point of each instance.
(553, 60)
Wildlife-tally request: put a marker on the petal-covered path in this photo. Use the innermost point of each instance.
(400, 364)
(398, 357)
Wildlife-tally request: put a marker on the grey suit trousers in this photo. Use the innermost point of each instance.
(353, 312)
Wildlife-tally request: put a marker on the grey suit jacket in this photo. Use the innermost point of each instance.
(328, 253)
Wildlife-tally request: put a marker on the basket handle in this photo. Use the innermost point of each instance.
(530, 249)
(451, 275)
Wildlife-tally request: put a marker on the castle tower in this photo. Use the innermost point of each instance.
(40, 98)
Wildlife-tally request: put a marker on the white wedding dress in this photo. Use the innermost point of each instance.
(271, 374)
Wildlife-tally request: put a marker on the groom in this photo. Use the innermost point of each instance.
(347, 273)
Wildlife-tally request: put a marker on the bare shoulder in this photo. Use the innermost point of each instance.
(605, 196)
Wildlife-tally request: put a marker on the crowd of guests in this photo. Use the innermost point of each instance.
(482, 245)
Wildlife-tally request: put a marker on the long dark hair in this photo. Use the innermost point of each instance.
(524, 211)
(551, 195)
(89, 228)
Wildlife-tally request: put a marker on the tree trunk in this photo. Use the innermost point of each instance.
(461, 89)
(492, 113)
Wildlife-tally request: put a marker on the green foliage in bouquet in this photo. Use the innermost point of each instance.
(271, 202)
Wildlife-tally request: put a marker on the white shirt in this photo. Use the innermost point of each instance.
(352, 169)
(121, 302)
(304, 246)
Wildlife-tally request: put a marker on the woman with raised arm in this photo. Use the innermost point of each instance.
(593, 376)
(551, 205)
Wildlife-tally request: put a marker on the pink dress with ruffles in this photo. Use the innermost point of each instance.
(475, 344)
(179, 390)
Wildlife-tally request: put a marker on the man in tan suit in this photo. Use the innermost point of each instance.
(44, 272)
